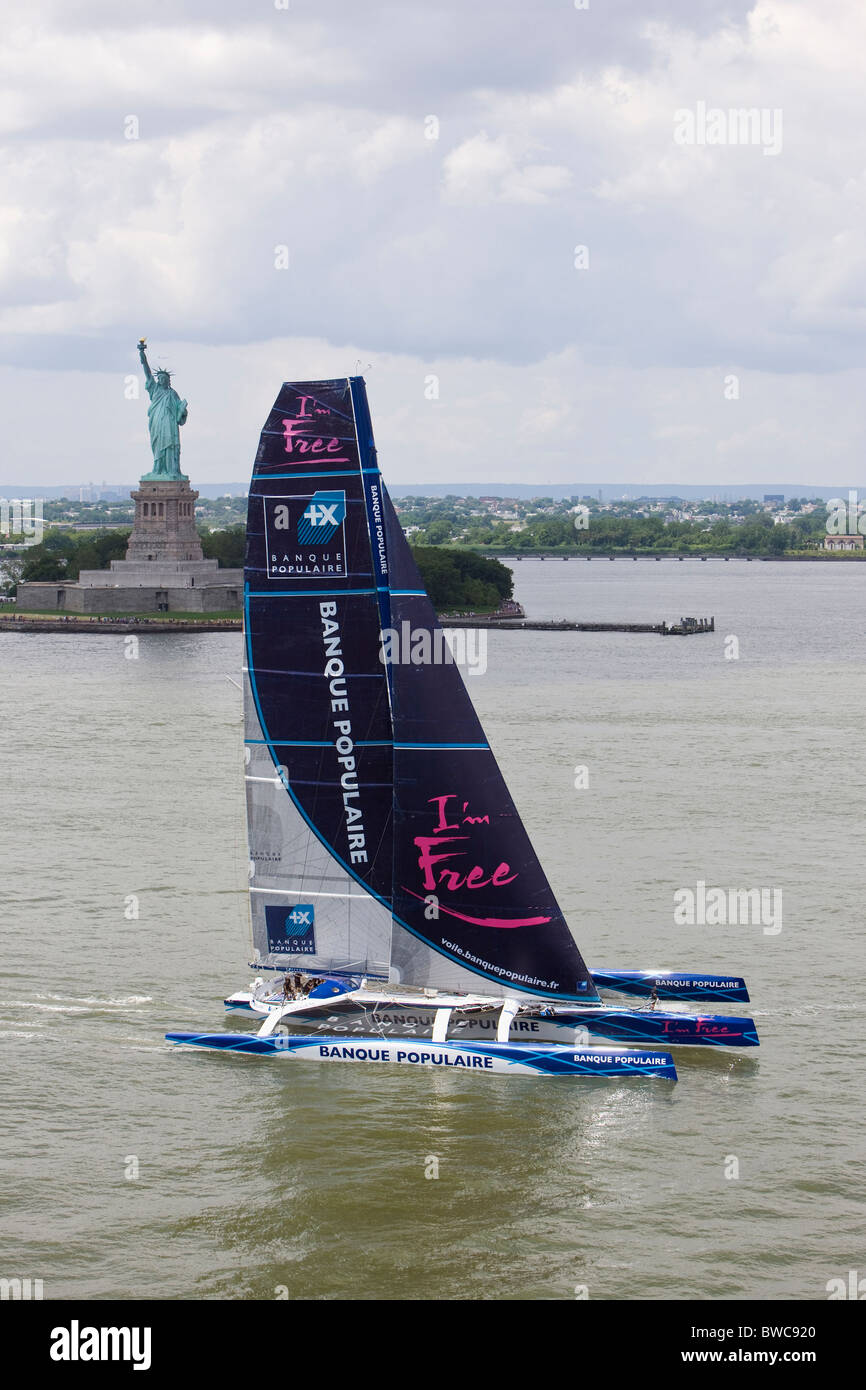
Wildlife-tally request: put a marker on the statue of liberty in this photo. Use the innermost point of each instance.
(167, 412)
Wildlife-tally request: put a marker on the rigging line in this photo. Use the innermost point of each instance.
(374, 1019)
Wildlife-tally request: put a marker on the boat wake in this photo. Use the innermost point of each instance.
(70, 1004)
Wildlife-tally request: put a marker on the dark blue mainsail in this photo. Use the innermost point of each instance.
(372, 792)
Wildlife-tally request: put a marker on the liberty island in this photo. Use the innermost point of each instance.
(165, 570)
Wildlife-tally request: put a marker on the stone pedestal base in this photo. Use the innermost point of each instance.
(160, 574)
(81, 598)
(164, 526)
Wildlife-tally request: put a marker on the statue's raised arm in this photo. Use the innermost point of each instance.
(148, 374)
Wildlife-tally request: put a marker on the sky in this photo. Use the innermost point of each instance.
(503, 215)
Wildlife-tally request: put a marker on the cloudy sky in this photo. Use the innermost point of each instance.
(428, 168)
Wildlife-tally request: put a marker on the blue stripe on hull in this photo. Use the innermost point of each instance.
(519, 1058)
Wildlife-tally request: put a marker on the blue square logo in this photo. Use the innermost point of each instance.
(291, 930)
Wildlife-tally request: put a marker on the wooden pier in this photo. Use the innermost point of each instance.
(686, 627)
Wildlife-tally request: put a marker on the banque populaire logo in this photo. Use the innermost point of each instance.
(321, 520)
(292, 931)
(305, 536)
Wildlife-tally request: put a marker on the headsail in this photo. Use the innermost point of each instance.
(467, 882)
(318, 727)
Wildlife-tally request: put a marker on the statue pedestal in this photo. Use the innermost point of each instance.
(164, 526)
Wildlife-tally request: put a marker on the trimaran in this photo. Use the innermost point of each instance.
(394, 891)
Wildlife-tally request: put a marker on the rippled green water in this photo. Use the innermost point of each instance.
(124, 778)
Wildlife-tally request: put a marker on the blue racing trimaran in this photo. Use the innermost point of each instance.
(393, 887)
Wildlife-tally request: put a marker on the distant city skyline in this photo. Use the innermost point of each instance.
(606, 492)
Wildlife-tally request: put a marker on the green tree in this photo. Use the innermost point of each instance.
(438, 532)
(461, 579)
(226, 546)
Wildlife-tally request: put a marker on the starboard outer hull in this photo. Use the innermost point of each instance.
(509, 1059)
(673, 984)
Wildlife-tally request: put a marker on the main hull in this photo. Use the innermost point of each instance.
(486, 1058)
(364, 1013)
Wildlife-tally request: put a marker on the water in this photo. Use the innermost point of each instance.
(122, 780)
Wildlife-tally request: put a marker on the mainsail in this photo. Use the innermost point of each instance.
(318, 727)
(383, 838)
